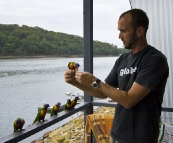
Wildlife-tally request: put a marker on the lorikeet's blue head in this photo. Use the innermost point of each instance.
(68, 101)
(76, 65)
(19, 122)
(45, 106)
(58, 104)
(76, 98)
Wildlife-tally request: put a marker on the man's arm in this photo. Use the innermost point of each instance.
(84, 80)
(126, 99)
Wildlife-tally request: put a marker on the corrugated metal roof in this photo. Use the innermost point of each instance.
(160, 35)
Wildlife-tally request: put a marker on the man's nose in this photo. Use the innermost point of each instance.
(120, 36)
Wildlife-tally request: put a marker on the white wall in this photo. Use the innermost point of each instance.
(160, 35)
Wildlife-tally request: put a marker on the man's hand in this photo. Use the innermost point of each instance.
(85, 78)
(83, 81)
(69, 76)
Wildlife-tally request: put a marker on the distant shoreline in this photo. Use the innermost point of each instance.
(32, 57)
(60, 56)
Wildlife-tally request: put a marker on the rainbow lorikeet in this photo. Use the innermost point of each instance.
(68, 105)
(18, 124)
(41, 114)
(73, 65)
(74, 101)
(55, 109)
(76, 66)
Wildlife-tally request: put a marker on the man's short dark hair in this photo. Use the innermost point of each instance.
(139, 18)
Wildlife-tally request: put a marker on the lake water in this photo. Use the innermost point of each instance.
(27, 83)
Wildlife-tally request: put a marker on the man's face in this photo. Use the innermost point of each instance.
(127, 34)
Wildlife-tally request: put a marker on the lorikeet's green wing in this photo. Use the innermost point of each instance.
(37, 117)
(69, 65)
(15, 129)
(65, 107)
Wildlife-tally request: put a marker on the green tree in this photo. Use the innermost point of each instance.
(31, 41)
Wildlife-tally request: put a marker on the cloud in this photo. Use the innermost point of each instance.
(66, 16)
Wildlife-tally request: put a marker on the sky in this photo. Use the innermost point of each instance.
(66, 16)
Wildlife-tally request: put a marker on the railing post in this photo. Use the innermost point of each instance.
(88, 49)
(88, 44)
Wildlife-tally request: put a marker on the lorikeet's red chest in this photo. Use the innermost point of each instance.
(71, 66)
(74, 102)
(43, 112)
(56, 108)
(18, 125)
(68, 104)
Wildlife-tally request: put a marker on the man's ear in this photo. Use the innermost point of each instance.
(140, 31)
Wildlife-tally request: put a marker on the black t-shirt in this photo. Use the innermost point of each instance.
(149, 68)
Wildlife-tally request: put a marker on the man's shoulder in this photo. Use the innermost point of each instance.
(151, 53)
(154, 50)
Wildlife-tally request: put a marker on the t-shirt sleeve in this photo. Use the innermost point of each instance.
(112, 78)
(151, 72)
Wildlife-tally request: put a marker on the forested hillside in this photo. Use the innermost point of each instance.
(23, 40)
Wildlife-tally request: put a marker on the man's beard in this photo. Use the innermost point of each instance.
(132, 44)
(129, 46)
